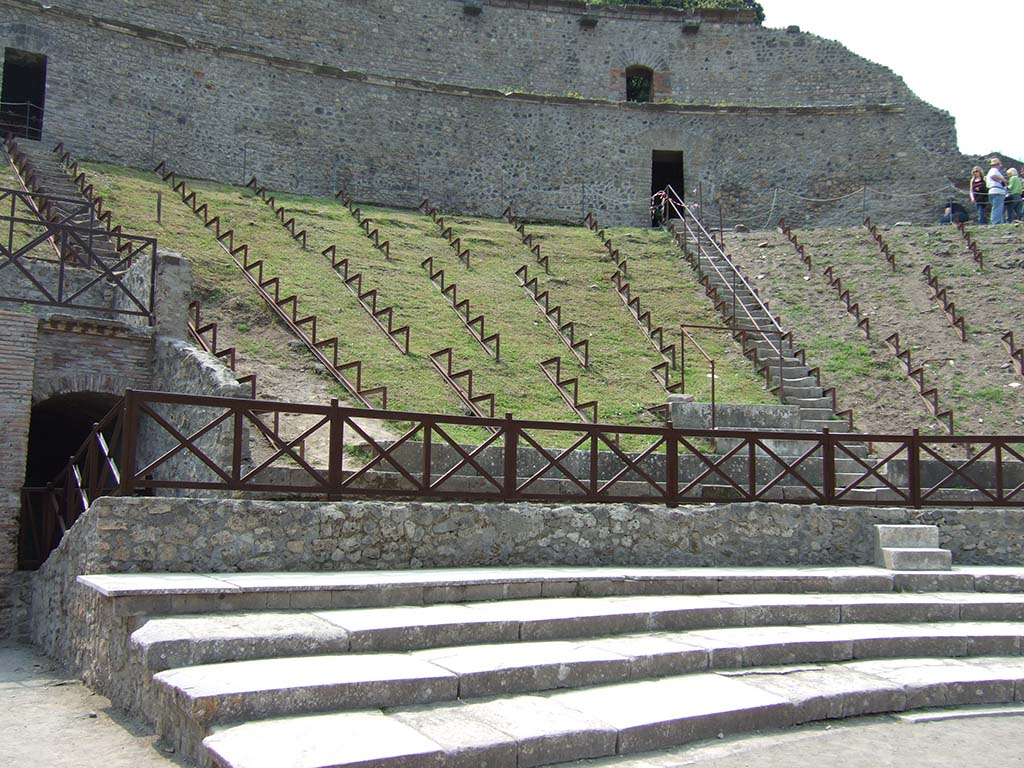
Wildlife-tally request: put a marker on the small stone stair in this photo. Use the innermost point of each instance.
(910, 548)
(797, 386)
(538, 666)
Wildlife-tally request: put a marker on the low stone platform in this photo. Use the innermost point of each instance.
(536, 666)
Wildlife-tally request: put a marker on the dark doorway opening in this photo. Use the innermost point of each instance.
(24, 93)
(667, 171)
(57, 429)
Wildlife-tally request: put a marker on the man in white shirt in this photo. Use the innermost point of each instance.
(996, 183)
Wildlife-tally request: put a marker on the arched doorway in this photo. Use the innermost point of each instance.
(57, 428)
(639, 84)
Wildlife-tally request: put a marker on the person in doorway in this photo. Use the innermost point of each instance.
(979, 193)
(954, 214)
(659, 204)
(996, 182)
(1014, 187)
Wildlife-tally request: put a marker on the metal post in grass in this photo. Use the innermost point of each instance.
(159, 207)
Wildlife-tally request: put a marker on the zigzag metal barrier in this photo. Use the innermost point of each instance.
(852, 307)
(455, 379)
(383, 317)
(655, 334)
(674, 467)
(368, 301)
(527, 239)
(384, 246)
(929, 395)
(253, 272)
(566, 331)
(1016, 353)
(475, 325)
(883, 246)
(790, 235)
(446, 232)
(205, 335)
(948, 307)
(279, 211)
(972, 245)
(569, 389)
(590, 221)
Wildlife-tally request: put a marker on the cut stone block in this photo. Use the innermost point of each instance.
(468, 742)
(907, 536)
(350, 740)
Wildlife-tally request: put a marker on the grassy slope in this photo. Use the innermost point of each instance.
(972, 378)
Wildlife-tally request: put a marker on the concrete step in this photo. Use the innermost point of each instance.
(624, 718)
(177, 641)
(155, 594)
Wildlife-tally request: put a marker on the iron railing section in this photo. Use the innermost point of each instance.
(684, 334)
(49, 511)
(21, 118)
(28, 240)
(556, 461)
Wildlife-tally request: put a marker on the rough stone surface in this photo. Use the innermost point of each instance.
(390, 114)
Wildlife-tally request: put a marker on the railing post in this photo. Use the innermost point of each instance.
(671, 466)
(428, 429)
(236, 447)
(595, 460)
(335, 451)
(129, 438)
(828, 465)
(510, 470)
(914, 468)
(714, 419)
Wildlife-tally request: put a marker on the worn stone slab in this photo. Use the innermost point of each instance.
(923, 536)
(989, 606)
(900, 607)
(765, 609)
(825, 692)
(490, 670)
(944, 682)
(545, 731)
(662, 713)
(917, 559)
(404, 627)
(220, 692)
(467, 742)
(771, 646)
(655, 655)
(178, 641)
(349, 740)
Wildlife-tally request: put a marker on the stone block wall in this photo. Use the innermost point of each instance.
(372, 97)
(18, 343)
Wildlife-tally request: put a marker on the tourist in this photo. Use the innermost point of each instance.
(954, 214)
(979, 193)
(996, 182)
(1014, 186)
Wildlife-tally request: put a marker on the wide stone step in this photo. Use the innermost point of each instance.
(155, 594)
(163, 643)
(624, 718)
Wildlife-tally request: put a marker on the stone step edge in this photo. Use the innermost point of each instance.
(164, 642)
(166, 593)
(620, 719)
(438, 674)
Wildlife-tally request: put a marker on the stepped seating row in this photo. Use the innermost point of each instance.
(536, 666)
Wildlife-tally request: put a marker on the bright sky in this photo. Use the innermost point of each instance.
(942, 49)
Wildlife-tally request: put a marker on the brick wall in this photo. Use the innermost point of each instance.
(18, 342)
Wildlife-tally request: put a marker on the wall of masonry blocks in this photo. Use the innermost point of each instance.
(395, 100)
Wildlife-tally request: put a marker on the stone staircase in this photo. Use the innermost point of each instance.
(796, 384)
(48, 177)
(537, 666)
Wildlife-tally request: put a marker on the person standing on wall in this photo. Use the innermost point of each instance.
(1014, 187)
(996, 189)
(979, 193)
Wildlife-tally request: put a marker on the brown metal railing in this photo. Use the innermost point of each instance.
(519, 461)
(489, 343)
(1016, 353)
(280, 212)
(683, 336)
(569, 389)
(68, 280)
(852, 307)
(373, 235)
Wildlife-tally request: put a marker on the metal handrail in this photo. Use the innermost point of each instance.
(683, 336)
